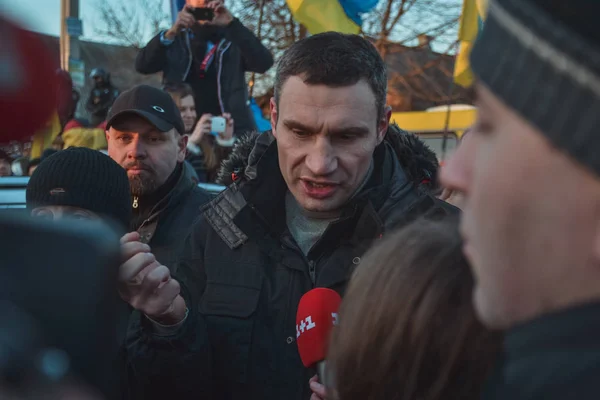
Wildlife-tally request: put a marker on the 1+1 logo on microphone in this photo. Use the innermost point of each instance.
(307, 324)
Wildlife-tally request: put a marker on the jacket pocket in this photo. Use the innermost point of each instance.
(230, 313)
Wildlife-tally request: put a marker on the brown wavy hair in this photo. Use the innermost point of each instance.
(178, 91)
(408, 330)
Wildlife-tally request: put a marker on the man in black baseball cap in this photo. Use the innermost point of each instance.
(144, 135)
(155, 105)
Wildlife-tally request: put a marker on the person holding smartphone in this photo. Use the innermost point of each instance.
(210, 138)
(211, 50)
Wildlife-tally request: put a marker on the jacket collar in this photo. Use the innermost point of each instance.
(529, 366)
(184, 183)
(572, 327)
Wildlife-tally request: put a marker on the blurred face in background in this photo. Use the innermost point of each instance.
(325, 139)
(453, 195)
(5, 168)
(149, 155)
(55, 213)
(187, 107)
(531, 218)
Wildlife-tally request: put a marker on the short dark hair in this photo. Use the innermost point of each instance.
(334, 59)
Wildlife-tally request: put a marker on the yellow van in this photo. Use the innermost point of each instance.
(429, 125)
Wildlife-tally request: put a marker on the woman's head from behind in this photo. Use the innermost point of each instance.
(407, 326)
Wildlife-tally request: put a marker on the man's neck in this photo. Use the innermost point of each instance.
(306, 226)
(145, 205)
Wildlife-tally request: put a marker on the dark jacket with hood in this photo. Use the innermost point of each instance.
(166, 221)
(243, 275)
(240, 51)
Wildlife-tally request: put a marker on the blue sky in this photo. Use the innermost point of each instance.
(44, 15)
(38, 15)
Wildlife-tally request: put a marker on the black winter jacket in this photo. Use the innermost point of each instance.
(555, 357)
(241, 51)
(243, 276)
(172, 218)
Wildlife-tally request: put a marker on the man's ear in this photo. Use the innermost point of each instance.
(274, 116)
(182, 147)
(384, 124)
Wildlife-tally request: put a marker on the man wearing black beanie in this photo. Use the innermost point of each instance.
(79, 183)
(531, 218)
(144, 135)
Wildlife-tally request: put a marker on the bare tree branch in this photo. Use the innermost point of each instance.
(131, 22)
(419, 73)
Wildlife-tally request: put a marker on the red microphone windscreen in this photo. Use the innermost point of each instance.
(316, 316)
(27, 82)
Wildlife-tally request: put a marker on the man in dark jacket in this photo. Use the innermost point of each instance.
(309, 199)
(531, 179)
(143, 135)
(102, 96)
(212, 57)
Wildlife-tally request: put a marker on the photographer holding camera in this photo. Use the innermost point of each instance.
(209, 49)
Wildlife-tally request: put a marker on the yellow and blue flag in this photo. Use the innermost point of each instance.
(330, 15)
(471, 22)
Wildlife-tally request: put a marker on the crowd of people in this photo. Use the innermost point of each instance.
(203, 65)
(478, 280)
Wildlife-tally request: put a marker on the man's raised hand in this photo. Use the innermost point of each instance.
(147, 285)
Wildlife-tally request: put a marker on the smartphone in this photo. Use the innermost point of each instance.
(203, 13)
(218, 124)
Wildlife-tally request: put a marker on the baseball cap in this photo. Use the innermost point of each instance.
(153, 104)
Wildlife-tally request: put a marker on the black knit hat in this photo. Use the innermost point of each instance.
(81, 177)
(542, 59)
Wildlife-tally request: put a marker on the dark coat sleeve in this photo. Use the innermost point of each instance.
(89, 104)
(256, 57)
(178, 366)
(152, 58)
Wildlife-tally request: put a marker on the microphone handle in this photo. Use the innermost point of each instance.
(321, 372)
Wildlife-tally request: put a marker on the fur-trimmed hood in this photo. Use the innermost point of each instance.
(418, 161)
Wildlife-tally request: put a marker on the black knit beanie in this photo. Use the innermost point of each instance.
(542, 59)
(84, 178)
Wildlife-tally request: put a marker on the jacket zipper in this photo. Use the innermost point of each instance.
(150, 216)
(312, 265)
(190, 59)
(312, 270)
(219, 75)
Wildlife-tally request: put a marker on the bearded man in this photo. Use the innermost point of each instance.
(145, 136)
